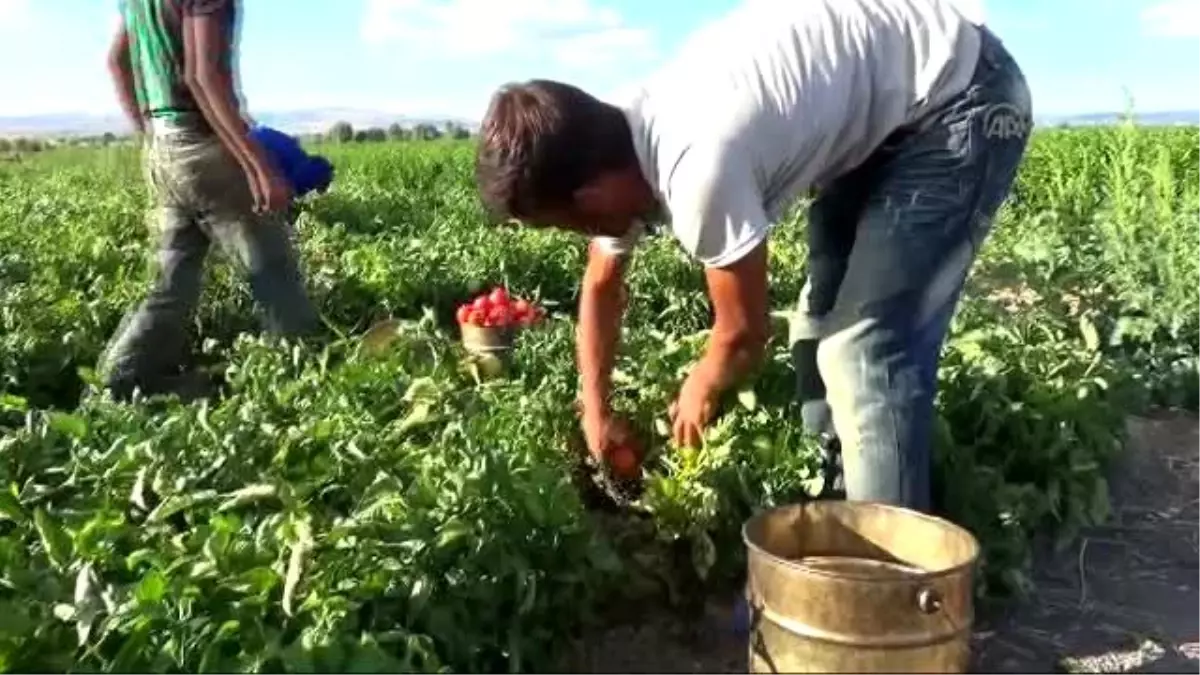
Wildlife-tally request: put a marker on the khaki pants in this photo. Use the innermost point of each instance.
(202, 197)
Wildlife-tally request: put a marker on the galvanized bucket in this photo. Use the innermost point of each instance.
(854, 587)
(490, 349)
(487, 339)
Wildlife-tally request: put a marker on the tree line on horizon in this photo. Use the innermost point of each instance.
(338, 132)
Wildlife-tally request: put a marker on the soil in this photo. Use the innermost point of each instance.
(1124, 599)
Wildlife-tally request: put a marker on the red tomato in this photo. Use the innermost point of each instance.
(464, 314)
(520, 308)
(476, 317)
(498, 297)
(499, 315)
(623, 461)
(481, 304)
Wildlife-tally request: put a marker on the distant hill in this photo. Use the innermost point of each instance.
(291, 121)
(320, 119)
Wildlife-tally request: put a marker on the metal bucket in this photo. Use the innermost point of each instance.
(490, 349)
(854, 587)
(487, 339)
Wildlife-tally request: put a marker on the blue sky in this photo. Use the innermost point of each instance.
(423, 57)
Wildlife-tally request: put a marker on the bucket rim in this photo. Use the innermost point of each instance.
(489, 349)
(972, 561)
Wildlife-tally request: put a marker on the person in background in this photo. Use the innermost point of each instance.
(908, 121)
(172, 62)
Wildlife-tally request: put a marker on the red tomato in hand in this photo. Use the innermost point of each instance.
(463, 314)
(498, 297)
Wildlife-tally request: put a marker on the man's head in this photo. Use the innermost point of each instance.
(551, 154)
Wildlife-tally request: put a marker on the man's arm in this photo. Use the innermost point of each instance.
(212, 84)
(742, 326)
(718, 208)
(601, 306)
(120, 67)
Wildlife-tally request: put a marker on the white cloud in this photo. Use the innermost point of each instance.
(577, 33)
(1172, 18)
(15, 14)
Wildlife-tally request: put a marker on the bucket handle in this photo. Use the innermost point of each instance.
(757, 644)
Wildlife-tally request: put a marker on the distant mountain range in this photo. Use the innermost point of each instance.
(292, 121)
(320, 119)
(1169, 117)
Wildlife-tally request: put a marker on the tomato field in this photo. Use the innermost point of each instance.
(344, 509)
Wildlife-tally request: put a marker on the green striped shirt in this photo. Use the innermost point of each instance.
(155, 30)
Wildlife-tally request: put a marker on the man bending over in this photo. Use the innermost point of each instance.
(906, 119)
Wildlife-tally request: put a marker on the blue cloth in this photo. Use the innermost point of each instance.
(306, 173)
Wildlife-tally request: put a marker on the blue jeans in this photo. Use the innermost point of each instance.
(202, 197)
(890, 247)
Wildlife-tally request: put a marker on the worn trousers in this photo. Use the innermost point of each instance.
(202, 197)
(890, 247)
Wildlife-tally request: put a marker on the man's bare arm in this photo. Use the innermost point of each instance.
(212, 85)
(601, 306)
(739, 296)
(120, 67)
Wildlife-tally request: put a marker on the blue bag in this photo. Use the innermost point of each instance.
(306, 173)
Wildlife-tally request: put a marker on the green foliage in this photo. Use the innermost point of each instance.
(336, 511)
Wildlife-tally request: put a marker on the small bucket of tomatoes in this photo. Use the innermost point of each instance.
(491, 320)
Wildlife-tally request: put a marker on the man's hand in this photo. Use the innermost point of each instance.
(272, 193)
(739, 297)
(604, 432)
(694, 409)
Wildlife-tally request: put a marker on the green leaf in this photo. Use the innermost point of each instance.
(179, 503)
(58, 546)
(248, 495)
(71, 425)
(10, 507)
(748, 399)
(1091, 337)
(13, 403)
(152, 588)
(130, 654)
(420, 415)
(452, 532)
(662, 428)
(295, 568)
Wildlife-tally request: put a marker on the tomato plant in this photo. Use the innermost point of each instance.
(337, 510)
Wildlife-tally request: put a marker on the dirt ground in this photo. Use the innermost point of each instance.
(1125, 599)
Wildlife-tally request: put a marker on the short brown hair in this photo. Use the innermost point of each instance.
(540, 141)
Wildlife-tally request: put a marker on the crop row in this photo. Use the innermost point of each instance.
(337, 509)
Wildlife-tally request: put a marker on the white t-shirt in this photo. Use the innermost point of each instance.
(781, 96)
